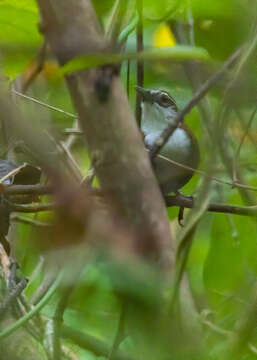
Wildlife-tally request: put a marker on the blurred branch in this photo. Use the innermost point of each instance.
(249, 48)
(72, 132)
(116, 20)
(177, 200)
(200, 93)
(91, 343)
(207, 175)
(28, 221)
(206, 111)
(223, 332)
(34, 69)
(140, 64)
(32, 208)
(71, 163)
(43, 288)
(27, 190)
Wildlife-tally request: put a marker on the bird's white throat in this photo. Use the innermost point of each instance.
(155, 117)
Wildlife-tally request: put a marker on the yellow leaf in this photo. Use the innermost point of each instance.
(164, 37)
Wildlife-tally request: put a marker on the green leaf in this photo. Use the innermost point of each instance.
(19, 34)
(176, 53)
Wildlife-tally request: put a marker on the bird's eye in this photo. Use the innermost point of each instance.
(164, 99)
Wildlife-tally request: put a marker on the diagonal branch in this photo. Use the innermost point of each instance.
(204, 89)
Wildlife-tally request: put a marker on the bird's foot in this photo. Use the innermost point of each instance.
(182, 208)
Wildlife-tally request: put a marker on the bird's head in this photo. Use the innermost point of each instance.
(158, 109)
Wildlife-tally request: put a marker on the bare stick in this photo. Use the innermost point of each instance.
(188, 202)
(39, 102)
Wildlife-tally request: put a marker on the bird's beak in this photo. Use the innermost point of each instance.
(146, 94)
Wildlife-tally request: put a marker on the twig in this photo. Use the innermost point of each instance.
(43, 288)
(39, 102)
(203, 173)
(9, 330)
(11, 173)
(168, 131)
(27, 190)
(140, 64)
(188, 202)
(63, 149)
(28, 221)
(195, 77)
(32, 208)
(223, 332)
(88, 179)
(72, 132)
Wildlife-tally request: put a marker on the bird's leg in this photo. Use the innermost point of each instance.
(181, 209)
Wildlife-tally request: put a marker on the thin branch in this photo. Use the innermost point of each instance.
(11, 173)
(39, 102)
(116, 20)
(203, 173)
(180, 200)
(188, 202)
(71, 163)
(43, 288)
(27, 190)
(223, 332)
(28, 221)
(204, 89)
(32, 208)
(72, 132)
(90, 343)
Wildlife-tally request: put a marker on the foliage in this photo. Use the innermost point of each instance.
(185, 43)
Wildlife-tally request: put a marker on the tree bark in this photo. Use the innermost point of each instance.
(114, 142)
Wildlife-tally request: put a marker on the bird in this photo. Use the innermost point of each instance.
(159, 110)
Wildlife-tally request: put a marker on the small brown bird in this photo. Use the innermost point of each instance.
(159, 110)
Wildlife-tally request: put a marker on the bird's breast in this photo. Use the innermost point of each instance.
(181, 147)
(178, 147)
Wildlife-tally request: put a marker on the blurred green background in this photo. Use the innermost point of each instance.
(222, 264)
